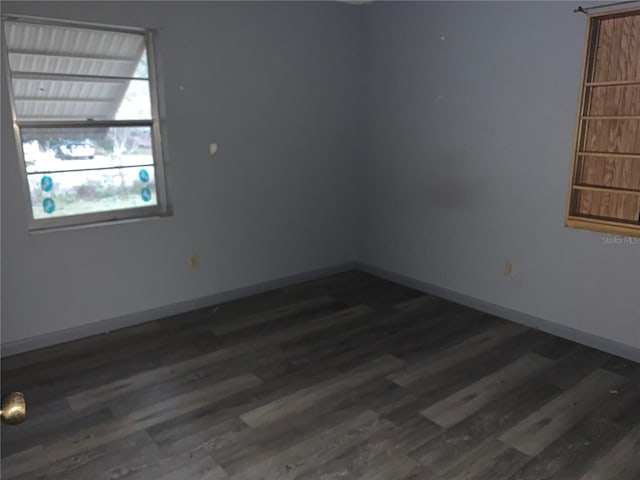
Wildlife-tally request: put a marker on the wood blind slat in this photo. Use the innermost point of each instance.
(604, 194)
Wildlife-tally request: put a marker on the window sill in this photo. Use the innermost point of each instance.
(603, 226)
(98, 224)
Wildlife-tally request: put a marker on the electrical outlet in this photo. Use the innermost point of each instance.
(194, 261)
(509, 269)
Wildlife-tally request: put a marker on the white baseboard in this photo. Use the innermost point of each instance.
(600, 343)
(108, 325)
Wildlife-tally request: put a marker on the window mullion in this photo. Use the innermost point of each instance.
(84, 123)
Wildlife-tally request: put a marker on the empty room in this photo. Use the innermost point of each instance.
(320, 240)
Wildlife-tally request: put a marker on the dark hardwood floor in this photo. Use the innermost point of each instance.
(347, 377)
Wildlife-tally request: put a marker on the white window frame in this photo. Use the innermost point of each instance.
(105, 217)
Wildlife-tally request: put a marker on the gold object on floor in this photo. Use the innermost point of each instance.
(14, 408)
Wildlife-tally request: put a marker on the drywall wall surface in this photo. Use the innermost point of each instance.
(275, 86)
(427, 139)
(471, 111)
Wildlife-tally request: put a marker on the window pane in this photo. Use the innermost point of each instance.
(58, 149)
(61, 49)
(61, 64)
(136, 103)
(48, 99)
(142, 70)
(68, 73)
(90, 191)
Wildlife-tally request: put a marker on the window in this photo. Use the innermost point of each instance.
(605, 180)
(85, 112)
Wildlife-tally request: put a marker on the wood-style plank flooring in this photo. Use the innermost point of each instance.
(346, 377)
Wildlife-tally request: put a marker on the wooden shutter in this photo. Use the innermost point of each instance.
(605, 182)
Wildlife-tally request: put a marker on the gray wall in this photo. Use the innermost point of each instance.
(436, 159)
(469, 147)
(276, 86)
